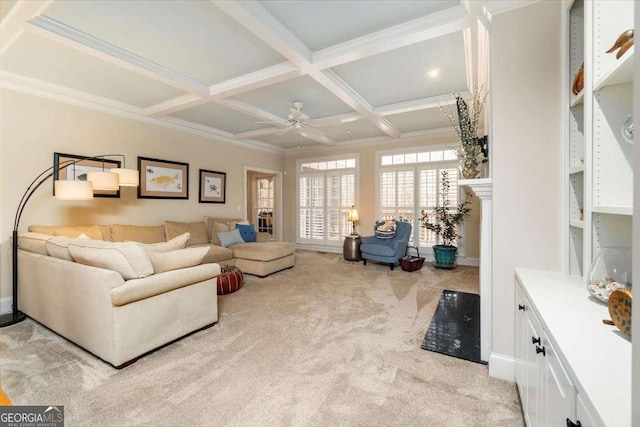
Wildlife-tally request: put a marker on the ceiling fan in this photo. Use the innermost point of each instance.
(300, 122)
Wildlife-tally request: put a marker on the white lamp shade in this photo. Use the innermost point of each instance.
(353, 215)
(104, 180)
(73, 190)
(128, 177)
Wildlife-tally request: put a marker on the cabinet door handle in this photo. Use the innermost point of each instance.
(541, 350)
(572, 424)
(520, 307)
(535, 340)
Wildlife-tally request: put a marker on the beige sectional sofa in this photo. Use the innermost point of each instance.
(121, 315)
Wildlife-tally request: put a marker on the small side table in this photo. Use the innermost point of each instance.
(351, 248)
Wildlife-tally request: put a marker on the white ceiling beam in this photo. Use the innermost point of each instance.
(418, 104)
(71, 37)
(496, 7)
(266, 76)
(257, 133)
(250, 110)
(260, 22)
(337, 119)
(332, 82)
(255, 80)
(256, 19)
(425, 28)
(12, 26)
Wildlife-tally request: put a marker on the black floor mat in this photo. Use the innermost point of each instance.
(455, 327)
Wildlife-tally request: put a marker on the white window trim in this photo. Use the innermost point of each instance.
(299, 162)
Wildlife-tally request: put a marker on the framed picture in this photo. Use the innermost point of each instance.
(213, 186)
(78, 171)
(163, 179)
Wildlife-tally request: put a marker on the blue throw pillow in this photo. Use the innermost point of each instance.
(228, 238)
(248, 232)
(385, 229)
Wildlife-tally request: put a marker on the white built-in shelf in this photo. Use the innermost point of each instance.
(578, 99)
(621, 72)
(576, 170)
(576, 223)
(613, 209)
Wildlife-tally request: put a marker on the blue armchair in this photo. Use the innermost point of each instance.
(388, 251)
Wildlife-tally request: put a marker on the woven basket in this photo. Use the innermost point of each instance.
(410, 262)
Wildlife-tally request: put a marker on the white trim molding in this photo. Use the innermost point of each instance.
(483, 189)
(503, 367)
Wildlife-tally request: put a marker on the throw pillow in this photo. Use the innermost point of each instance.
(175, 260)
(130, 259)
(197, 229)
(217, 227)
(58, 246)
(385, 229)
(174, 244)
(247, 232)
(229, 238)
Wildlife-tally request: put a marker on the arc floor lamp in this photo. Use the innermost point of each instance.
(64, 190)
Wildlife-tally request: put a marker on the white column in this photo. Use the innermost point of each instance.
(483, 189)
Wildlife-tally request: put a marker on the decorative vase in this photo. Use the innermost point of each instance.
(470, 161)
(445, 256)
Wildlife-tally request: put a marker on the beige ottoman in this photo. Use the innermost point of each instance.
(263, 258)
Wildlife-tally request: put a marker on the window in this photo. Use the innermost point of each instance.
(265, 203)
(410, 182)
(326, 191)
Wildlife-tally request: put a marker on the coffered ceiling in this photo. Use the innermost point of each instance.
(365, 71)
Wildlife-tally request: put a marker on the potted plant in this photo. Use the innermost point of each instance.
(445, 225)
(465, 121)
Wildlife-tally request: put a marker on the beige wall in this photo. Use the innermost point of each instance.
(366, 197)
(32, 129)
(527, 152)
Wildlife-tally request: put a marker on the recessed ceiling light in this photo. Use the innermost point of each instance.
(433, 73)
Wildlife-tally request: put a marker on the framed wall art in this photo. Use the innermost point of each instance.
(213, 186)
(78, 171)
(163, 179)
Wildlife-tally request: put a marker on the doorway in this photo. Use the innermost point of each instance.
(262, 200)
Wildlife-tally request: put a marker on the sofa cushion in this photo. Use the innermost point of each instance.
(229, 238)
(263, 251)
(58, 246)
(92, 231)
(139, 289)
(177, 259)
(197, 230)
(224, 224)
(174, 244)
(34, 242)
(130, 259)
(217, 227)
(216, 253)
(375, 249)
(137, 233)
(247, 232)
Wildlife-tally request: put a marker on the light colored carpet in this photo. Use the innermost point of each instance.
(327, 343)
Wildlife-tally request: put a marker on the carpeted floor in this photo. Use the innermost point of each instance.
(327, 343)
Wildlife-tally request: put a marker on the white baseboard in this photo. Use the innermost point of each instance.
(502, 366)
(5, 305)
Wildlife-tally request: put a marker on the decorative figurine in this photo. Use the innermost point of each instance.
(624, 42)
(578, 81)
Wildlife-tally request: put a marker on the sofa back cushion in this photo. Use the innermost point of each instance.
(91, 231)
(130, 259)
(196, 229)
(58, 246)
(34, 242)
(138, 233)
(174, 244)
(175, 260)
(216, 225)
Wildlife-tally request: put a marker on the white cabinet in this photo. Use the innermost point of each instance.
(546, 390)
(571, 368)
(598, 160)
